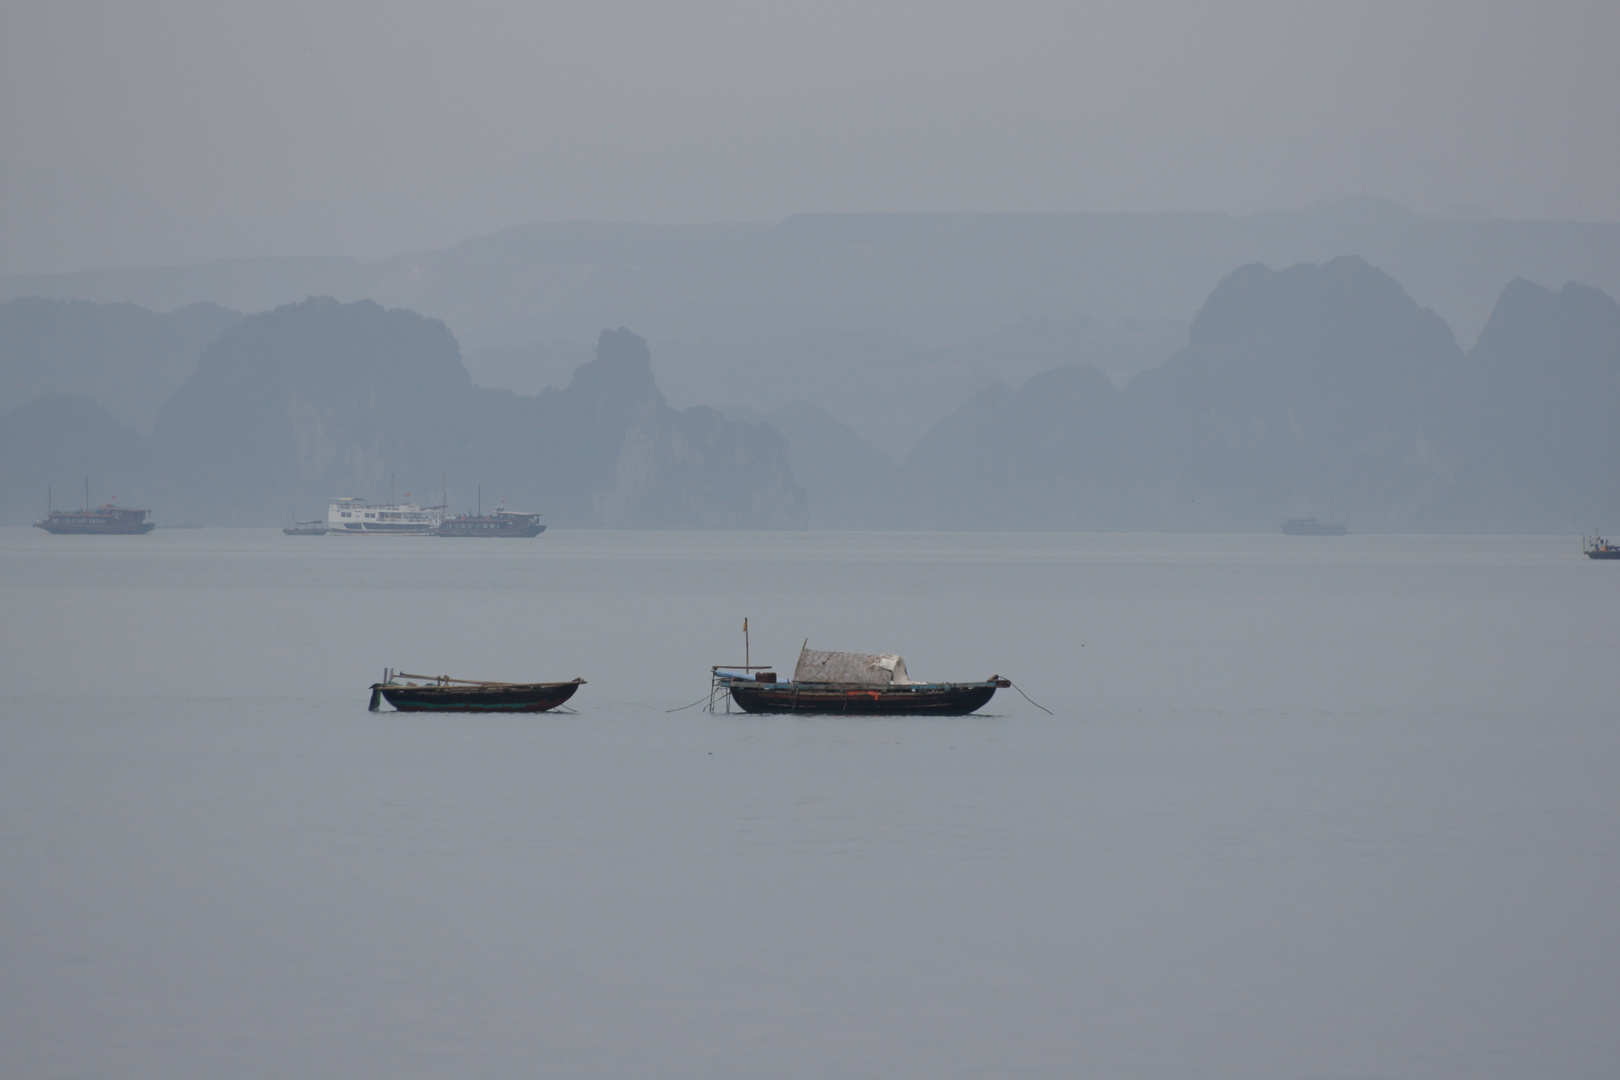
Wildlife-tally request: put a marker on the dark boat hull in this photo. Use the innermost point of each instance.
(104, 520)
(502, 697)
(140, 529)
(921, 699)
(1603, 553)
(495, 530)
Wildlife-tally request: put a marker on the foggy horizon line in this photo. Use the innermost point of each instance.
(1460, 213)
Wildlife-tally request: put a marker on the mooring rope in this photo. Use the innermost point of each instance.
(1031, 700)
(707, 697)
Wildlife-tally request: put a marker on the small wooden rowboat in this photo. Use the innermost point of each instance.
(914, 699)
(440, 693)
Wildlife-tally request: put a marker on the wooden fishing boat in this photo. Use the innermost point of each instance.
(917, 699)
(440, 693)
(1595, 547)
(855, 684)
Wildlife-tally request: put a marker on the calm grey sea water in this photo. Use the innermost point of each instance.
(1308, 807)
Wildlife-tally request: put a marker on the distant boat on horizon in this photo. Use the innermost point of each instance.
(356, 517)
(105, 519)
(1309, 526)
(501, 523)
(498, 523)
(1595, 547)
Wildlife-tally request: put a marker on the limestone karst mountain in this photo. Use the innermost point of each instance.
(1540, 412)
(1318, 389)
(60, 442)
(127, 359)
(320, 399)
(1312, 390)
(926, 309)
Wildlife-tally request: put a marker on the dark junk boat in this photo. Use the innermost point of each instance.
(500, 523)
(441, 693)
(306, 528)
(1595, 547)
(848, 683)
(104, 519)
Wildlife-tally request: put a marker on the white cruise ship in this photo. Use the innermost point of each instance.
(354, 517)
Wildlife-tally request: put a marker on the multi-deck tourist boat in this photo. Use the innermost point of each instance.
(502, 522)
(356, 517)
(105, 518)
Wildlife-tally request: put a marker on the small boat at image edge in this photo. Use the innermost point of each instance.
(441, 693)
(854, 684)
(1595, 547)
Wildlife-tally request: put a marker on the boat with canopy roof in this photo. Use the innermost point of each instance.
(857, 684)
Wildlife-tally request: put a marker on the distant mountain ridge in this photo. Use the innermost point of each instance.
(127, 359)
(293, 407)
(735, 309)
(932, 278)
(1317, 389)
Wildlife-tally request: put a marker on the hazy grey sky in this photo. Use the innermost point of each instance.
(181, 131)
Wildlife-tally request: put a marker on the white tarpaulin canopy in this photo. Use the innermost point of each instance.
(848, 667)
